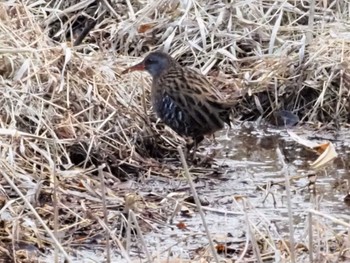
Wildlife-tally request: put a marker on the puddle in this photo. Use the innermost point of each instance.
(252, 164)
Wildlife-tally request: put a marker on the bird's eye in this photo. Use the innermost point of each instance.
(151, 61)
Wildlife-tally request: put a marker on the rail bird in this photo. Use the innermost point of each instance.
(183, 98)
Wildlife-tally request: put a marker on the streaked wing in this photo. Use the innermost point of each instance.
(194, 95)
(196, 89)
(198, 81)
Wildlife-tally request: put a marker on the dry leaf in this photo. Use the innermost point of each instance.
(327, 150)
(144, 28)
(322, 147)
(220, 248)
(238, 197)
(181, 225)
(327, 156)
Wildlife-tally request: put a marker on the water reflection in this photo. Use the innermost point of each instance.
(254, 175)
(253, 151)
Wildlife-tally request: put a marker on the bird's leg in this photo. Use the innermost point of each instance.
(193, 146)
(197, 141)
(188, 148)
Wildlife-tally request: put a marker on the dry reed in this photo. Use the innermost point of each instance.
(66, 112)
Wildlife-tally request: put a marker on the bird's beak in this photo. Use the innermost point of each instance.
(140, 66)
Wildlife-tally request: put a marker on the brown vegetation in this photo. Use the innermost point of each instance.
(66, 106)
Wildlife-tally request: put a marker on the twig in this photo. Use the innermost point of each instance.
(32, 209)
(110, 9)
(55, 200)
(253, 240)
(289, 203)
(105, 212)
(310, 22)
(114, 238)
(139, 233)
(332, 218)
(244, 251)
(310, 237)
(196, 199)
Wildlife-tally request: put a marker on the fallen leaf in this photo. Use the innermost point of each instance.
(144, 28)
(322, 147)
(220, 248)
(239, 197)
(326, 150)
(327, 156)
(181, 225)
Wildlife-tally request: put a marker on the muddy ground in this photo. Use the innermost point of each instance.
(245, 185)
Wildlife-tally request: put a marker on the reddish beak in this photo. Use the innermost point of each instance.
(139, 66)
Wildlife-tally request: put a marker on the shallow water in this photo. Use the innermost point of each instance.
(249, 165)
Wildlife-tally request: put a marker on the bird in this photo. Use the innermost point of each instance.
(184, 99)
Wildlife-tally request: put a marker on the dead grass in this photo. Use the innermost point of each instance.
(64, 105)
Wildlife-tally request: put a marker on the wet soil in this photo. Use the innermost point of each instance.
(251, 187)
(246, 196)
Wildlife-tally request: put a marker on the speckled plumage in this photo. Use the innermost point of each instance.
(183, 98)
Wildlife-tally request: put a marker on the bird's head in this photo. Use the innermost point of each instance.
(154, 63)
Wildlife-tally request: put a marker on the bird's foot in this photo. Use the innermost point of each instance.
(199, 159)
(205, 161)
(189, 155)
